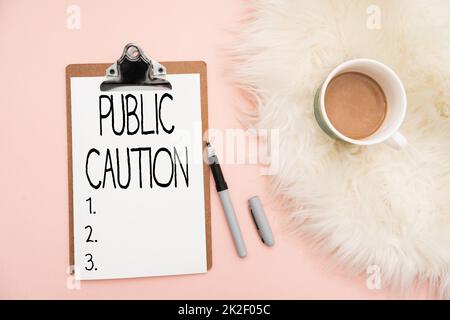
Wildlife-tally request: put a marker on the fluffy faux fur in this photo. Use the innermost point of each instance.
(364, 205)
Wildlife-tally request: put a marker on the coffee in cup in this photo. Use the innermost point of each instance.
(355, 104)
(362, 102)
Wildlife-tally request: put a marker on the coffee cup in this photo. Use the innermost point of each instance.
(394, 97)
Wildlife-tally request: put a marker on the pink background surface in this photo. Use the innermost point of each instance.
(35, 48)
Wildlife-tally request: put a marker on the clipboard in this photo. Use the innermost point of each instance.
(149, 73)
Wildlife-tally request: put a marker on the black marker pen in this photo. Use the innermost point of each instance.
(225, 199)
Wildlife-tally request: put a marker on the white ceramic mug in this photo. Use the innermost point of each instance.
(396, 103)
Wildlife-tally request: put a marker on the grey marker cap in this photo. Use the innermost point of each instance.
(262, 224)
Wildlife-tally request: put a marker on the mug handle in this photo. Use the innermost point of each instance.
(397, 141)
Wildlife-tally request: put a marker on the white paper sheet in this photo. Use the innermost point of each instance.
(144, 229)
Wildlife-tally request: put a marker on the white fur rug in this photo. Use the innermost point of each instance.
(363, 205)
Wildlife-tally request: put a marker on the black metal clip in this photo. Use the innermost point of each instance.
(136, 70)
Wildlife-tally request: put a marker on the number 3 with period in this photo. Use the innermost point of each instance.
(91, 267)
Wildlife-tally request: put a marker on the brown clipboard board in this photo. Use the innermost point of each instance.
(98, 70)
